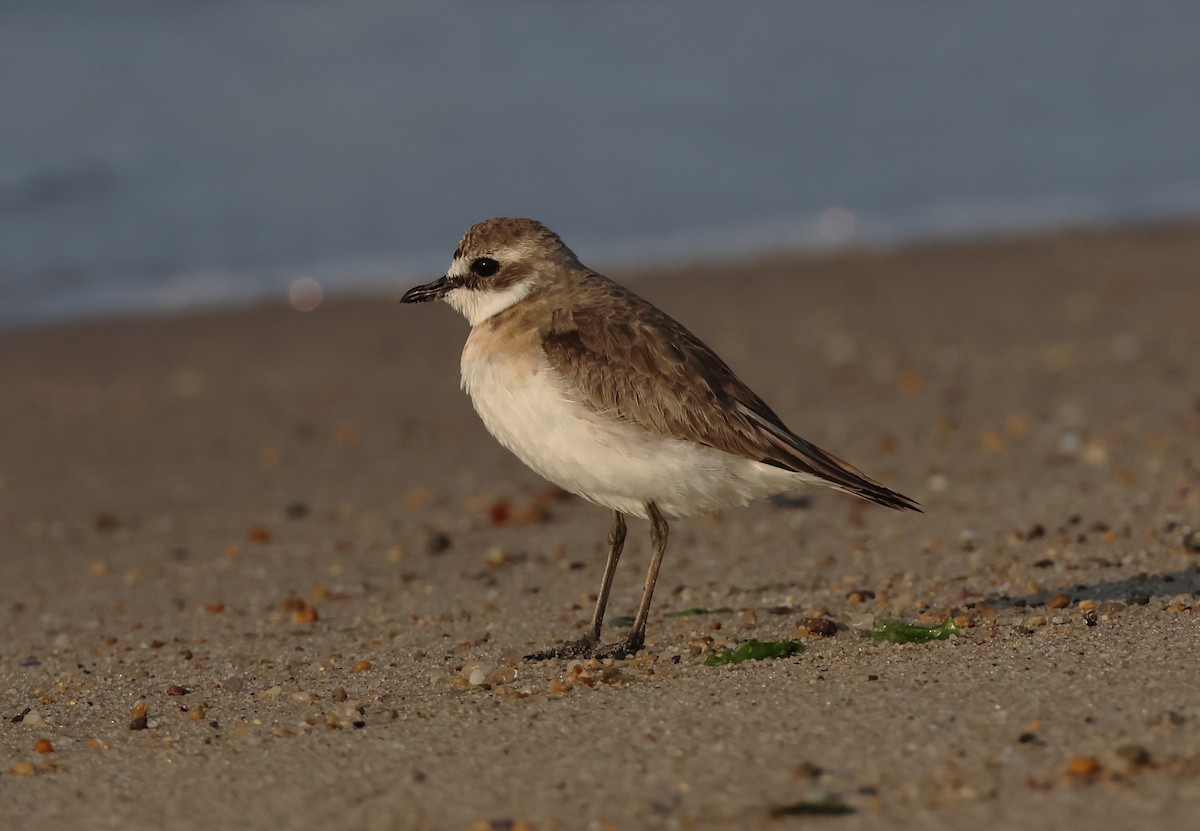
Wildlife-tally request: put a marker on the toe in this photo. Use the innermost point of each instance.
(581, 648)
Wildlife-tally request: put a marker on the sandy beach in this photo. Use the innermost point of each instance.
(266, 569)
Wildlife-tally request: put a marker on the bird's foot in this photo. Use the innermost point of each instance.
(580, 648)
(621, 649)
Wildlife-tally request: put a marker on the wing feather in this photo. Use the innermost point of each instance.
(627, 358)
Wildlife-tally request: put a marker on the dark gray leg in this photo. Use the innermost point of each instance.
(637, 635)
(616, 543)
(584, 646)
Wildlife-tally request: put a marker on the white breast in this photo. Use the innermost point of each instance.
(532, 411)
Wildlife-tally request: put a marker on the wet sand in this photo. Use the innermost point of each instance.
(265, 569)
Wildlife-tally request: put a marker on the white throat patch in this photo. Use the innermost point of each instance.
(477, 306)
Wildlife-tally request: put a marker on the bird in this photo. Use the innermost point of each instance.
(611, 399)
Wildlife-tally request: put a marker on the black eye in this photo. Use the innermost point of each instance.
(484, 267)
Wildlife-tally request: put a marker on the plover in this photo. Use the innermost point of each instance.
(611, 399)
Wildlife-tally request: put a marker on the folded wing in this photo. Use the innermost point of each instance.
(627, 358)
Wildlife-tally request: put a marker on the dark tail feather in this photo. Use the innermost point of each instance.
(874, 492)
(805, 457)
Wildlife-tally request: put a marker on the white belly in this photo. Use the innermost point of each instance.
(530, 410)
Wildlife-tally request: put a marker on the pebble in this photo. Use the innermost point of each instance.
(1069, 444)
(435, 541)
(795, 501)
(1059, 601)
(1127, 757)
(1095, 452)
(234, 683)
(862, 622)
(1138, 597)
(822, 627)
(107, 522)
(1172, 719)
(991, 442)
(1191, 541)
(302, 612)
(807, 770)
(348, 434)
(34, 719)
(497, 557)
(260, 534)
(1083, 766)
(477, 677)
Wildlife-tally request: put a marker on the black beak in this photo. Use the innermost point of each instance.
(429, 291)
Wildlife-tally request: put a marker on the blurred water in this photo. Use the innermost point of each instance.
(160, 154)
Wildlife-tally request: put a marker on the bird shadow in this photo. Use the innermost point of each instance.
(1138, 589)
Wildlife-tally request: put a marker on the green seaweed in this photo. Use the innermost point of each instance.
(897, 631)
(824, 804)
(699, 610)
(753, 650)
(763, 589)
